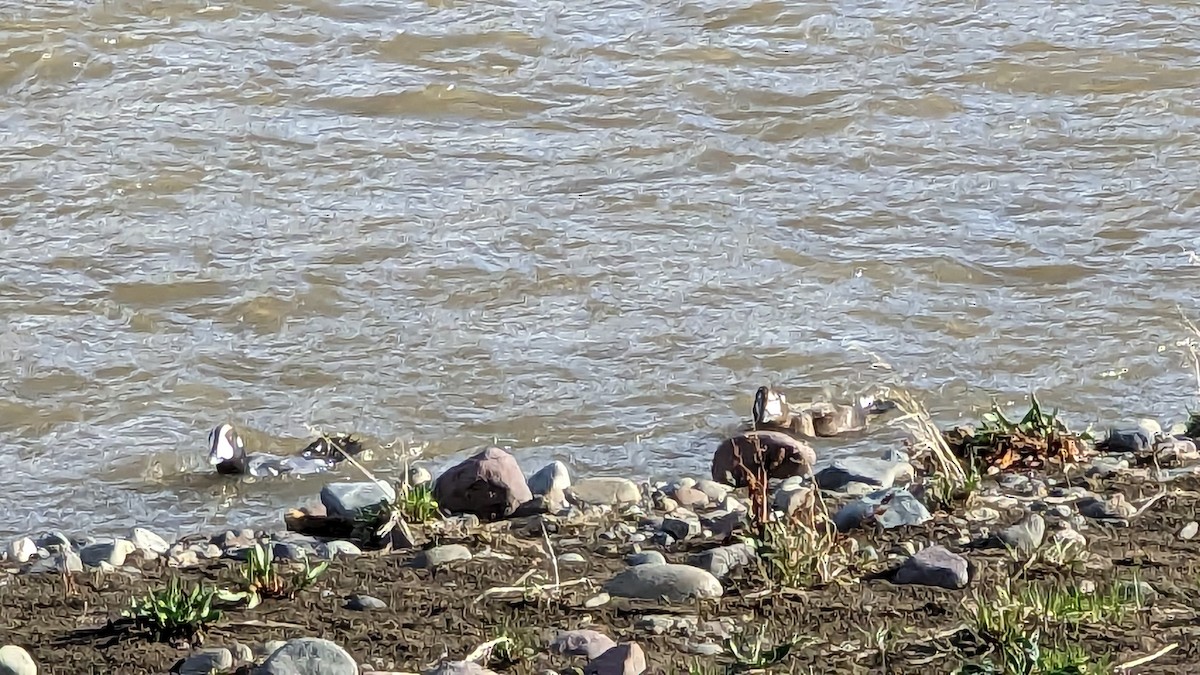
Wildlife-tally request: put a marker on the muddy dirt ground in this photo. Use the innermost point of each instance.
(434, 613)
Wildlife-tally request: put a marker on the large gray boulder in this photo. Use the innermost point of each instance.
(675, 583)
(309, 656)
(489, 485)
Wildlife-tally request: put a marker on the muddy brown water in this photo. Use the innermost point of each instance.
(585, 230)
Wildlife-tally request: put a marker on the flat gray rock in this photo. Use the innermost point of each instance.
(1025, 536)
(608, 491)
(441, 555)
(349, 500)
(681, 527)
(16, 661)
(933, 566)
(553, 476)
(207, 661)
(1115, 508)
(309, 656)
(722, 560)
(582, 642)
(879, 473)
(675, 583)
(890, 508)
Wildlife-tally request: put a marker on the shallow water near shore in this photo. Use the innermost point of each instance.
(588, 232)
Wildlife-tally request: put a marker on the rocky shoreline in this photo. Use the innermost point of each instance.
(1087, 563)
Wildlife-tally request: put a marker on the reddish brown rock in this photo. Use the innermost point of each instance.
(781, 455)
(489, 485)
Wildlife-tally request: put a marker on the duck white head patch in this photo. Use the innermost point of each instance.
(224, 444)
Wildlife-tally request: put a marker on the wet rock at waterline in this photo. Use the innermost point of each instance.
(675, 583)
(309, 656)
(489, 485)
(550, 478)
(349, 501)
(780, 455)
(890, 508)
(933, 566)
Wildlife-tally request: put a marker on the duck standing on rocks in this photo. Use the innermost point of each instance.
(771, 411)
(227, 452)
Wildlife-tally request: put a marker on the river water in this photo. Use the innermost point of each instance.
(585, 231)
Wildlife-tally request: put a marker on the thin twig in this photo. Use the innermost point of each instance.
(501, 590)
(1147, 659)
(550, 552)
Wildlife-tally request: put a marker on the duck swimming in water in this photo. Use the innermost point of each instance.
(227, 452)
(771, 410)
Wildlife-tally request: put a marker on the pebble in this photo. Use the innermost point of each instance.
(242, 653)
(982, 514)
(933, 566)
(675, 583)
(645, 558)
(597, 601)
(552, 477)
(879, 473)
(349, 500)
(1115, 507)
(690, 497)
(722, 560)
(309, 656)
(624, 659)
(790, 500)
(610, 491)
(715, 491)
(572, 558)
(339, 549)
(363, 603)
(207, 661)
(441, 555)
(1189, 531)
(582, 642)
(681, 527)
(16, 661)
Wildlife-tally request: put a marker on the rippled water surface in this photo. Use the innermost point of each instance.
(587, 230)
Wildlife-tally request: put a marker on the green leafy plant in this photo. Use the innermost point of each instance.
(174, 612)
(756, 652)
(413, 505)
(1038, 438)
(261, 579)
